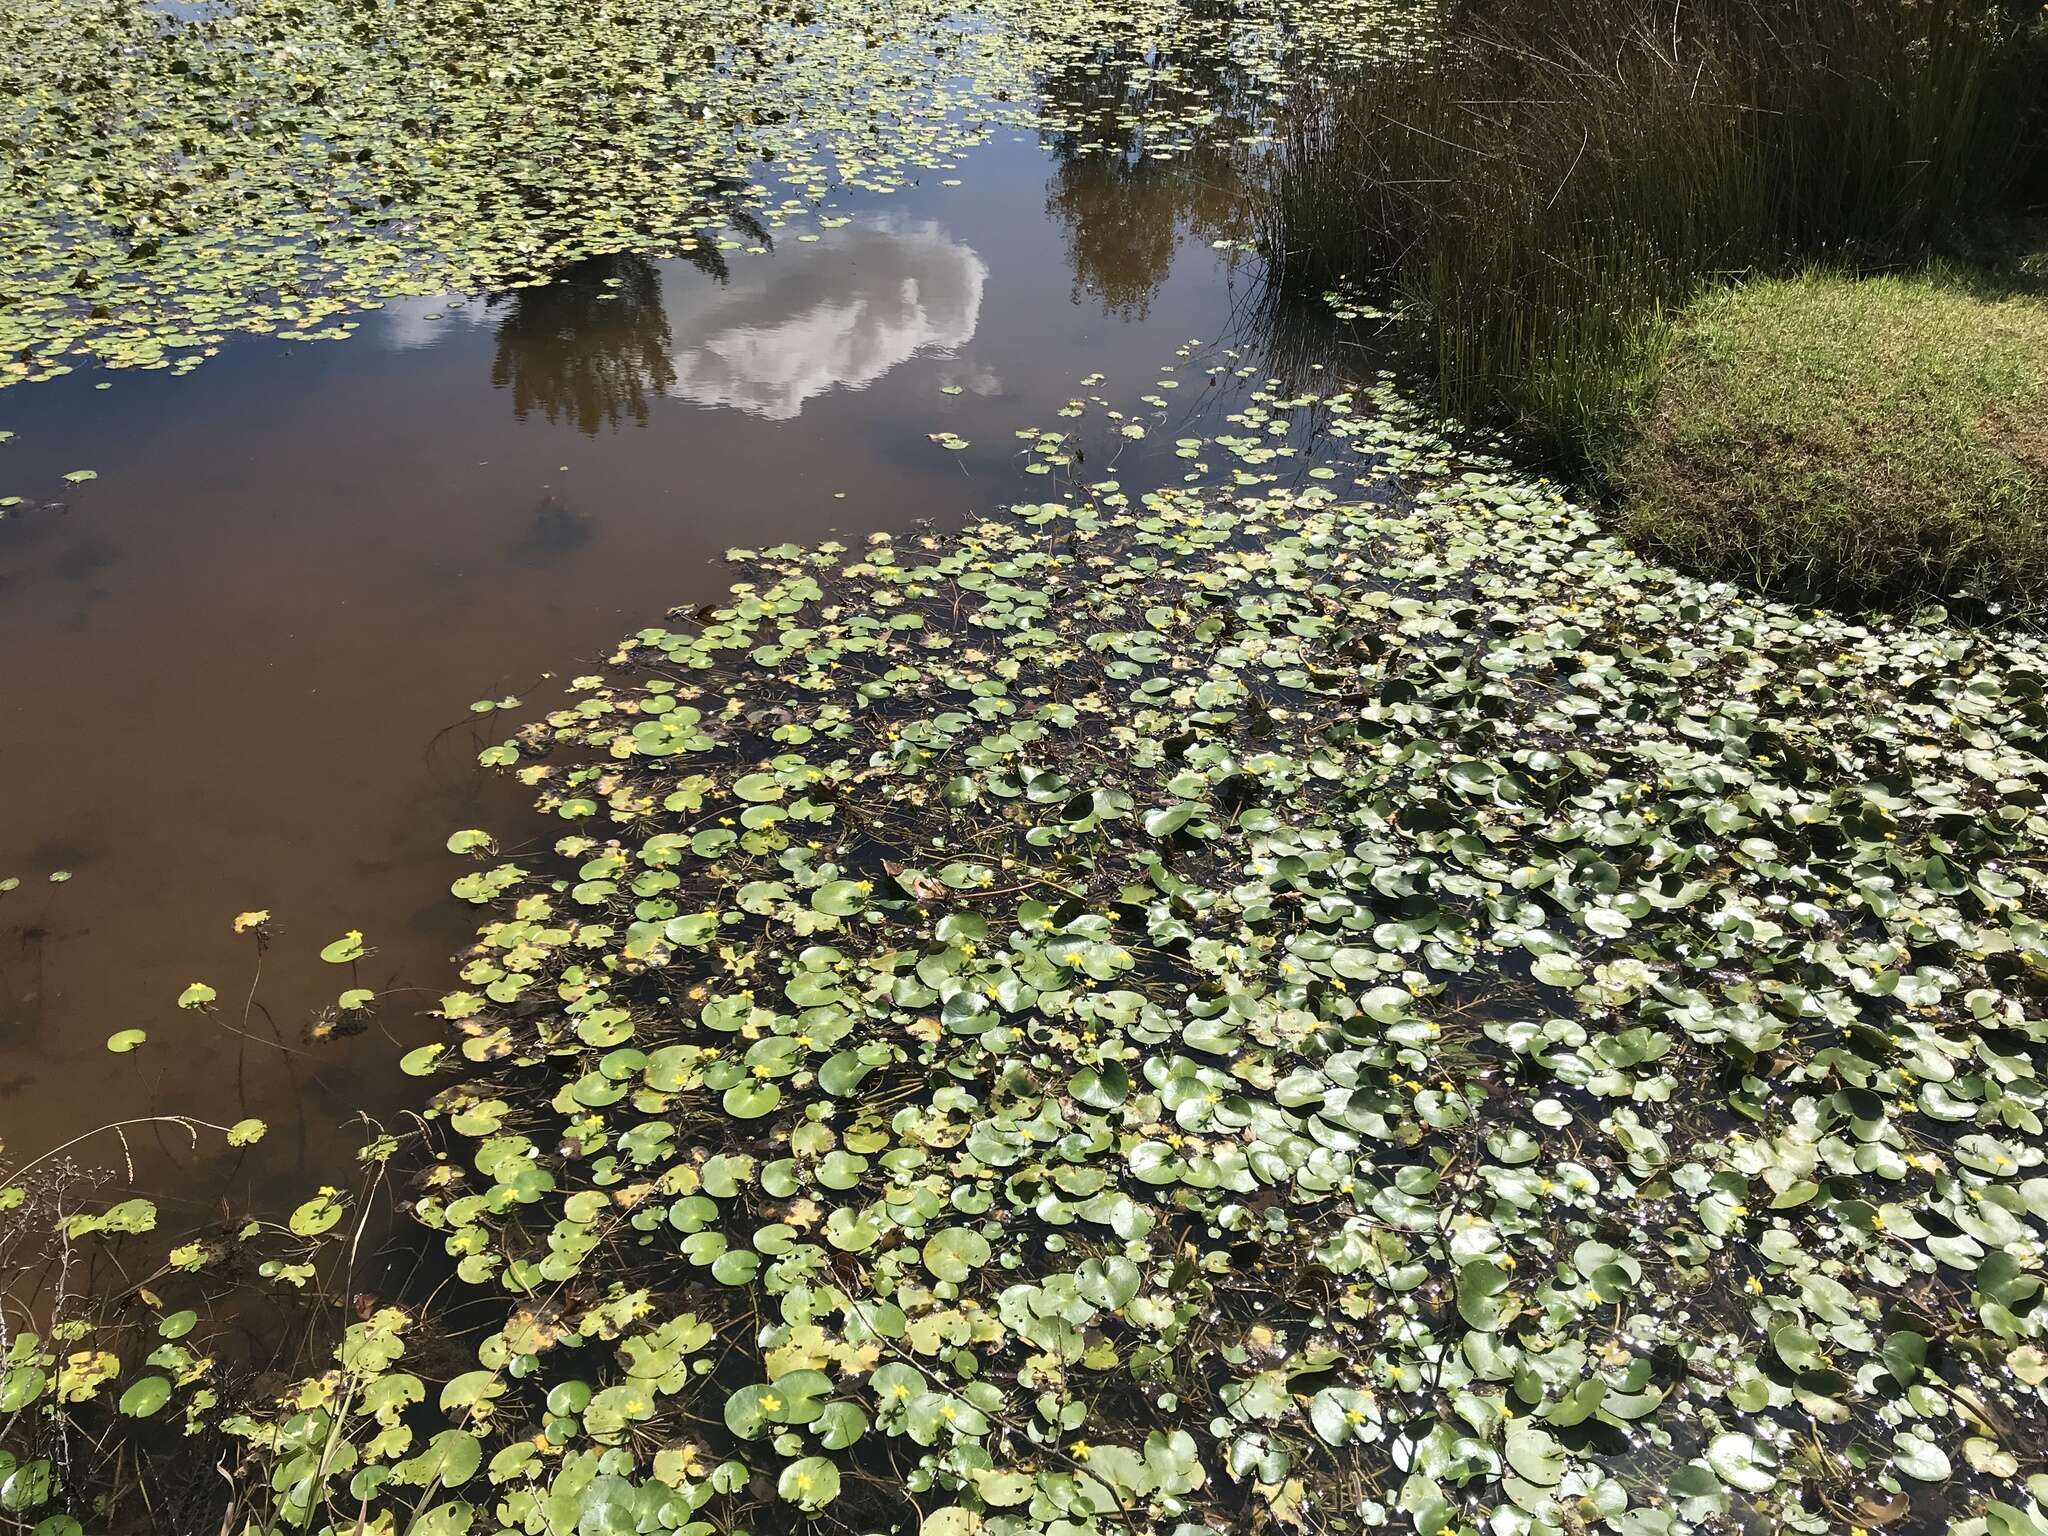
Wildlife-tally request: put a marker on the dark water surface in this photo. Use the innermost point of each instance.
(238, 663)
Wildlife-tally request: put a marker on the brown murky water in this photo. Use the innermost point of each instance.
(238, 663)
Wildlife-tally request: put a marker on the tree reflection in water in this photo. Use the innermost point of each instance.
(1123, 210)
(1124, 215)
(602, 341)
(591, 346)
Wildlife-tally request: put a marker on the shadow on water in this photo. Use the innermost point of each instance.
(554, 532)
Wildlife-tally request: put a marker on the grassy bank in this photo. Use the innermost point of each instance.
(1850, 440)
(1556, 179)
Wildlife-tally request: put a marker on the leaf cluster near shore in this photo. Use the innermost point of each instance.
(1322, 992)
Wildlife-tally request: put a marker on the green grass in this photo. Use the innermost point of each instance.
(1852, 441)
(1559, 177)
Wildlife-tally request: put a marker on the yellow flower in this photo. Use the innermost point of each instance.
(771, 1404)
(1080, 1450)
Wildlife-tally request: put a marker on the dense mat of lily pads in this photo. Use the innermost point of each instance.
(1323, 991)
(170, 174)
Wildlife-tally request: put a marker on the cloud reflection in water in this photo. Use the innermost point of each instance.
(841, 312)
(611, 334)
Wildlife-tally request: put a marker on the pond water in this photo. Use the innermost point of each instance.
(239, 660)
(1192, 949)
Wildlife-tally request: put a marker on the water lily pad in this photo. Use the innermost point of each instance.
(145, 1395)
(955, 1253)
(810, 1483)
(750, 1100)
(344, 950)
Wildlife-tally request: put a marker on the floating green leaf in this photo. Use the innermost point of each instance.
(344, 950)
